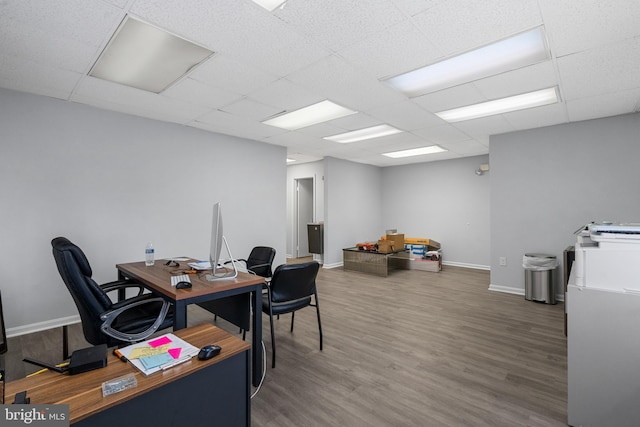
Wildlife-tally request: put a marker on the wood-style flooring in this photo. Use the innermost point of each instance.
(412, 349)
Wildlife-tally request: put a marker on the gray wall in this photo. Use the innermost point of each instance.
(546, 183)
(353, 196)
(112, 182)
(444, 201)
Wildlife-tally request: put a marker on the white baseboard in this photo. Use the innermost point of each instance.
(42, 326)
(465, 265)
(517, 291)
(334, 265)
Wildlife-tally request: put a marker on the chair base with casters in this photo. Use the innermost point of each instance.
(103, 321)
(291, 288)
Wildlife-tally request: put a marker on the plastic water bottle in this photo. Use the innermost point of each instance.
(148, 255)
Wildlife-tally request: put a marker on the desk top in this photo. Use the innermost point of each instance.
(83, 392)
(158, 277)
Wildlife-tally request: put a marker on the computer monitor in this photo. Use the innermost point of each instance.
(219, 272)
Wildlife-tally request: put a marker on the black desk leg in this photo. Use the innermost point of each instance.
(179, 315)
(256, 337)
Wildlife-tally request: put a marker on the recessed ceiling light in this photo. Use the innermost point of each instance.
(432, 149)
(146, 57)
(515, 52)
(499, 106)
(270, 5)
(362, 134)
(313, 114)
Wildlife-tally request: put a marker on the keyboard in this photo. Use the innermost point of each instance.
(181, 278)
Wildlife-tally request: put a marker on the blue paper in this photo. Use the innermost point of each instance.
(156, 360)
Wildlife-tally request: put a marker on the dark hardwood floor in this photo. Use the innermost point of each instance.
(412, 349)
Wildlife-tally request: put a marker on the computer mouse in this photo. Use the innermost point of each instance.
(209, 351)
(183, 285)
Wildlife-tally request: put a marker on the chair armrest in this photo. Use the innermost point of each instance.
(236, 260)
(122, 284)
(108, 317)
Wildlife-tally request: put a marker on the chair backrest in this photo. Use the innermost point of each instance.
(260, 260)
(294, 281)
(90, 299)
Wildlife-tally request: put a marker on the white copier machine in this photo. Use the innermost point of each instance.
(603, 327)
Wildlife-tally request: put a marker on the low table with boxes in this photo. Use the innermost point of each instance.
(393, 251)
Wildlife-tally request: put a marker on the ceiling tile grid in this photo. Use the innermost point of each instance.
(307, 51)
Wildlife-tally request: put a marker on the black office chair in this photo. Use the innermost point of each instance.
(260, 261)
(232, 308)
(290, 290)
(103, 321)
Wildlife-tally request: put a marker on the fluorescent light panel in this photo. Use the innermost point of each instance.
(499, 106)
(509, 54)
(291, 160)
(362, 134)
(270, 5)
(313, 114)
(432, 149)
(146, 57)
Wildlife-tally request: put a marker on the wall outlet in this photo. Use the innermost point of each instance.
(503, 261)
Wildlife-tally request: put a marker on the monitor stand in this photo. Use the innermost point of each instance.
(228, 274)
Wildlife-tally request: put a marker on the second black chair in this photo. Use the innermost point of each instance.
(290, 290)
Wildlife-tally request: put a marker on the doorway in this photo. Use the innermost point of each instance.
(304, 200)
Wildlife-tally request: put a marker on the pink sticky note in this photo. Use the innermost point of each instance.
(160, 341)
(175, 352)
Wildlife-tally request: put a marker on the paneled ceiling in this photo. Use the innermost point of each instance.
(311, 50)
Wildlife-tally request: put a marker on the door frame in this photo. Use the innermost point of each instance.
(296, 213)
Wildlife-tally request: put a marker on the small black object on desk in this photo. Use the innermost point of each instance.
(183, 285)
(209, 351)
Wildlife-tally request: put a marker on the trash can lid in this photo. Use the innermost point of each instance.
(535, 255)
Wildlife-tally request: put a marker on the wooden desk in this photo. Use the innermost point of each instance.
(157, 278)
(215, 391)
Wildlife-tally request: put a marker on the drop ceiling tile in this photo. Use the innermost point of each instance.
(336, 24)
(221, 121)
(395, 50)
(341, 83)
(414, 7)
(193, 91)
(442, 133)
(250, 109)
(485, 126)
(530, 118)
(285, 95)
(610, 104)
(405, 115)
(585, 24)
(113, 96)
(466, 148)
(223, 72)
(355, 122)
(611, 68)
(28, 76)
(446, 99)
(456, 26)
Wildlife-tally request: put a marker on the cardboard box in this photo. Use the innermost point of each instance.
(385, 246)
(397, 241)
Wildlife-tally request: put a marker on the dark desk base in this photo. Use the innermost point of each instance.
(212, 396)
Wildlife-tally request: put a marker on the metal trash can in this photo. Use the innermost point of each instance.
(540, 277)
